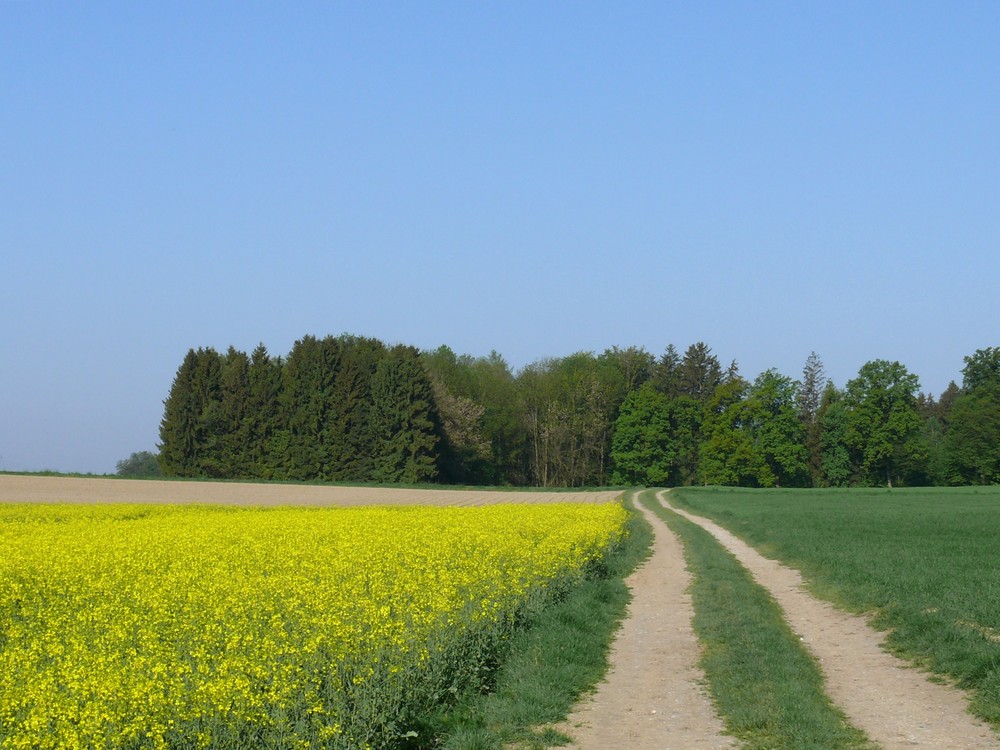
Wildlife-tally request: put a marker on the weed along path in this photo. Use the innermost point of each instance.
(893, 703)
(652, 698)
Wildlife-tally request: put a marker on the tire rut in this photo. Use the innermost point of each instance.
(652, 697)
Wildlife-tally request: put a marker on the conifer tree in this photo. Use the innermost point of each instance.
(264, 424)
(179, 426)
(349, 440)
(699, 373)
(404, 423)
(190, 436)
(810, 395)
(666, 372)
(309, 405)
(234, 421)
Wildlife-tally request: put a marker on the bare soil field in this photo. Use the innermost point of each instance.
(49, 489)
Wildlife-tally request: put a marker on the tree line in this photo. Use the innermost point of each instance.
(353, 409)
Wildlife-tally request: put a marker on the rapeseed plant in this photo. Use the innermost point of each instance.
(207, 627)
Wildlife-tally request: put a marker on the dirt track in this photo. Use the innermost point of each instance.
(653, 697)
(41, 489)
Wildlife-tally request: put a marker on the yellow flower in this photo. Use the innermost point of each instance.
(170, 626)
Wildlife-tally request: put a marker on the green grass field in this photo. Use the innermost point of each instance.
(924, 562)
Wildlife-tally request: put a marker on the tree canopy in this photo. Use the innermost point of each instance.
(350, 408)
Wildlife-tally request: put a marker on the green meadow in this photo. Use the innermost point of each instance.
(924, 563)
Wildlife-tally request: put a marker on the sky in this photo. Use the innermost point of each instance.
(534, 178)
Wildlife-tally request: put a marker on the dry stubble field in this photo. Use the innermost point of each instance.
(46, 489)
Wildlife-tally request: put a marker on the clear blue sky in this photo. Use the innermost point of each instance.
(534, 178)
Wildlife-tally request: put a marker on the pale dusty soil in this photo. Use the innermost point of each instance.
(652, 697)
(36, 489)
(893, 703)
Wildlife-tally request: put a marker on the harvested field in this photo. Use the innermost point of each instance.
(46, 489)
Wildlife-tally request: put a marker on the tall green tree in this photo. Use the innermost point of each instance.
(973, 438)
(810, 396)
(982, 368)
(569, 414)
(774, 421)
(699, 373)
(627, 369)
(403, 419)
(465, 451)
(882, 420)
(686, 417)
(350, 442)
(666, 372)
(837, 465)
(265, 428)
(308, 407)
(690, 382)
(642, 449)
(179, 438)
(727, 454)
(234, 416)
(190, 431)
(972, 443)
(496, 389)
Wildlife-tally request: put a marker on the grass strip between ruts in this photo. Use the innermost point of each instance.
(767, 688)
(548, 666)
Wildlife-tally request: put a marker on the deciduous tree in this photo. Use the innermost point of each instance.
(642, 449)
(882, 418)
(776, 429)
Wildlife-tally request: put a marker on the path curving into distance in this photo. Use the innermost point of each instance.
(879, 693)
(652, 697)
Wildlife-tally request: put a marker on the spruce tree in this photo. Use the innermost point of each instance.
(404, 424)
(699, 373)
(234, 417)
(191, 429)
(666, 373)
(309, 406)
(349, 441)
(264, 424)
(179, 427)
(810, 395)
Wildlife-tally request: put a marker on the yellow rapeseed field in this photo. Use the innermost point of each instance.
(195, 627)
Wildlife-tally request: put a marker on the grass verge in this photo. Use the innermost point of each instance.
(767, 688)
(549, 665)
